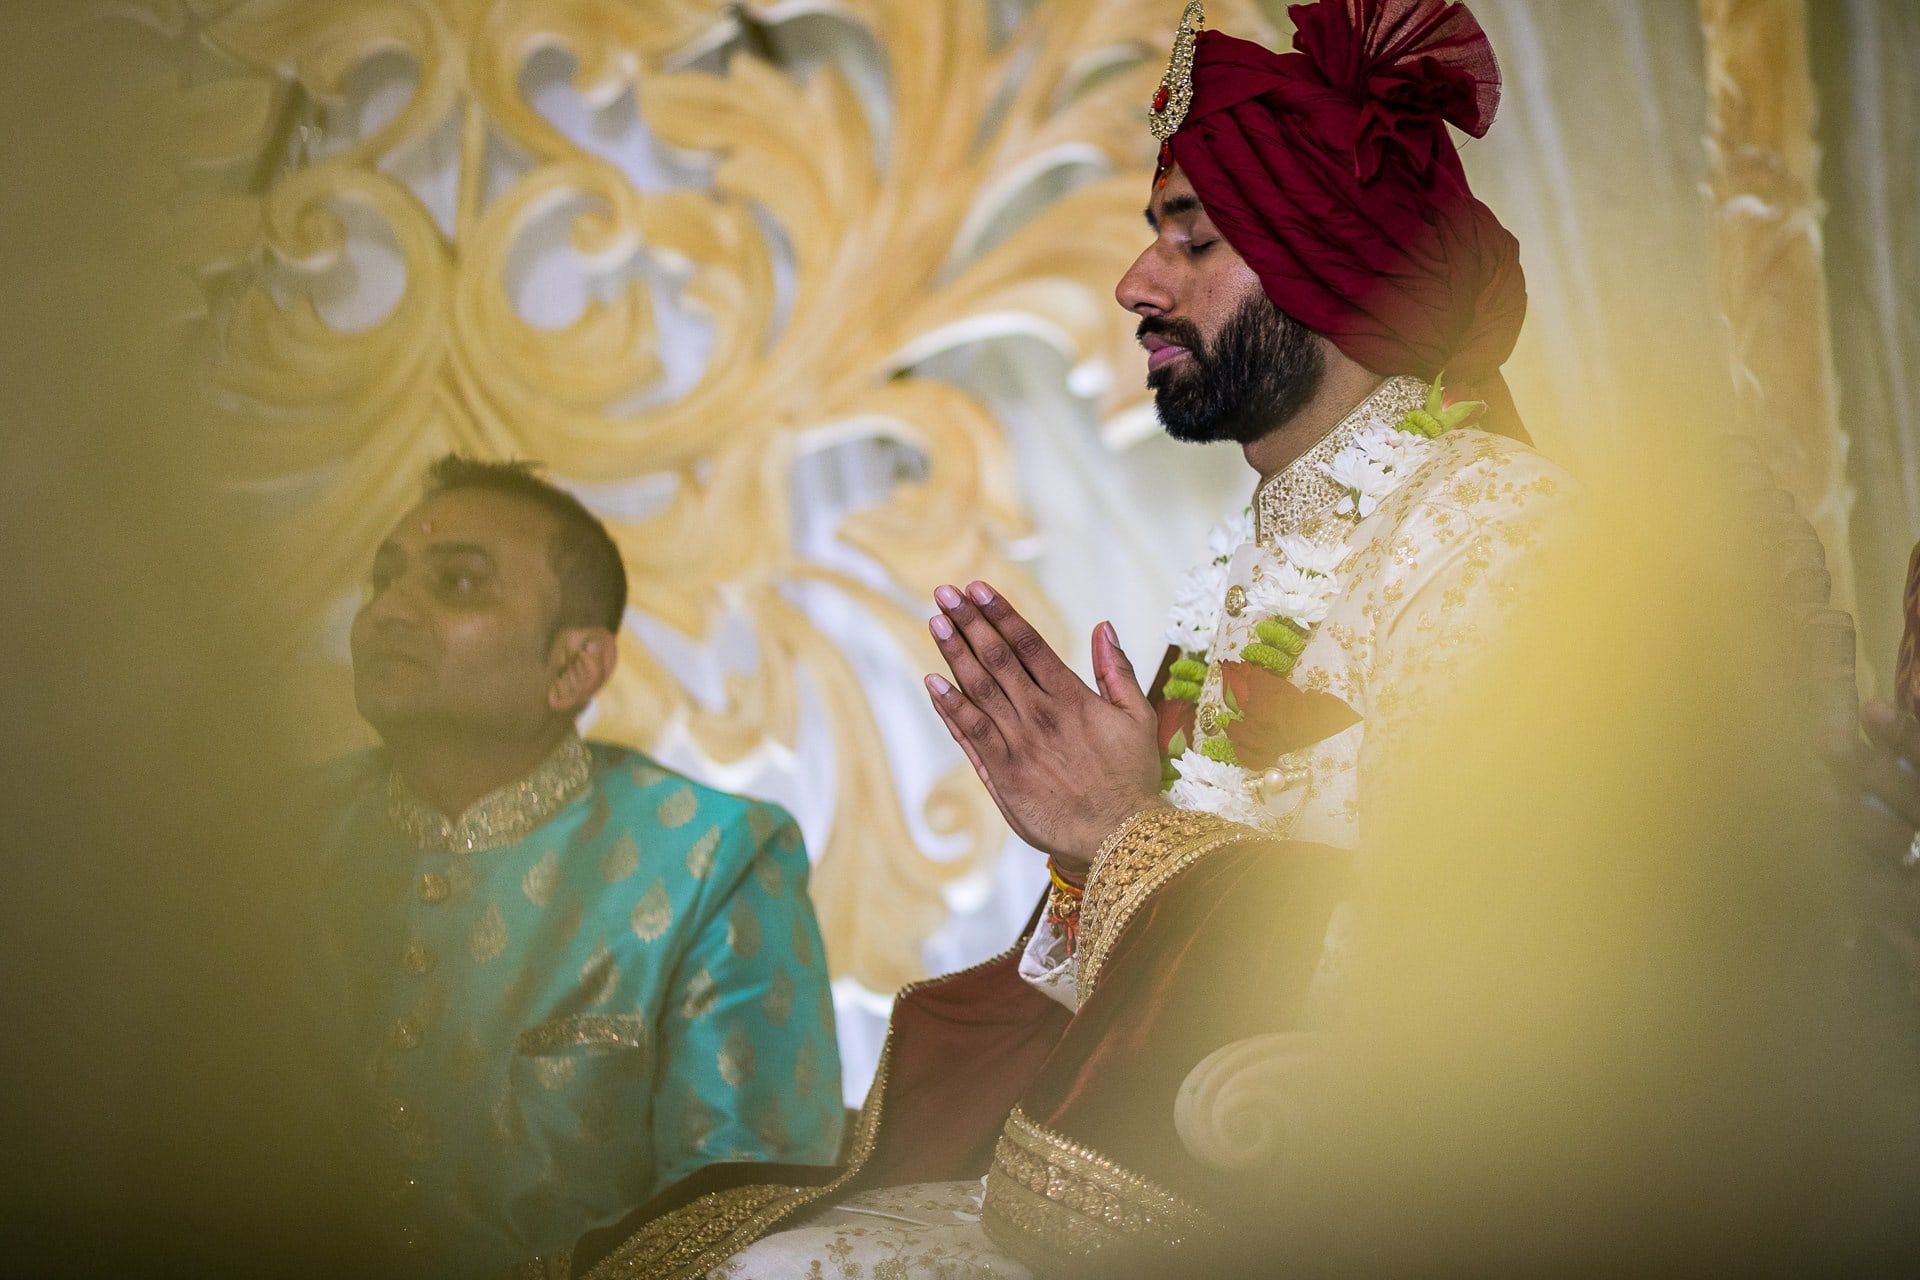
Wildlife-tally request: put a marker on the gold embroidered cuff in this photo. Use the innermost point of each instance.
(1049, 1200)
(1143, 854)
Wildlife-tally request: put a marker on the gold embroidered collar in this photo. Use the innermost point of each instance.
(500, 817)
(1296, 498)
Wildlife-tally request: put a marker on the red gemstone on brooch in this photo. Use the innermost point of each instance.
(1160, 99)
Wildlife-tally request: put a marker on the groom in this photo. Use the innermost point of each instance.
(1317, 261)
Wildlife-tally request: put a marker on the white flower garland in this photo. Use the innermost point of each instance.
(1296, 584)
(1195, 616)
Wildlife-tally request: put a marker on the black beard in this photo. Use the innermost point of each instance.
(1261, 370)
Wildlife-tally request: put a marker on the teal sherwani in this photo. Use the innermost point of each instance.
(589, 985)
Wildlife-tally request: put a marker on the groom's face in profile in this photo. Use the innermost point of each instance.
(1222, 361)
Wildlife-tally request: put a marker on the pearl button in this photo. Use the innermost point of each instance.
(434, 887)
(405, 1034)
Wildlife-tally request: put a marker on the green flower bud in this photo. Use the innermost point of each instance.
(1219, 750)
(1181, 691)
(1268, 658)
(1288, 639)
(1423, 422)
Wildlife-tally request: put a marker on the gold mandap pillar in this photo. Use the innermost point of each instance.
(1763, 179)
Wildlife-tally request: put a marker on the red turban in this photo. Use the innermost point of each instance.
(1331, 171)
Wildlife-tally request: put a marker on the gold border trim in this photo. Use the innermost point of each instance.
(1141, 856)
(1049, 1197)
(1297, 497)
(502, 817)
(628, 1030)
(694, 1239)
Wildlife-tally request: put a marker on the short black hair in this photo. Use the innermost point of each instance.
(593, 580)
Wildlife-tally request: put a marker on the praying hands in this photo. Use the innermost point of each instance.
(1065, 764)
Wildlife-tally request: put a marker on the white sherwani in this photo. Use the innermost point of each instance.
(1420, 579)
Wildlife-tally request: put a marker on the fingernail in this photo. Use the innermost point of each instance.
(948, 597)
(1106, 629)
(942, 629)
(940, 687)
(981, 593)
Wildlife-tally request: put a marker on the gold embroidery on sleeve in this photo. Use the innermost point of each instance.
(806, 1069)
(743, 929)
(622, 860)
(772, 880)
(599, 976)
(678, 809)
(702, 991)
(778, 1006)
(488, 940)
(541, 877)
(653, 914)
(556, 1074)
(735, 1061)
(700, 857)
(771, 1126)
(1143, 854)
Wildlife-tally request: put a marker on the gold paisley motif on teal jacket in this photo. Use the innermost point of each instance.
(590, 985)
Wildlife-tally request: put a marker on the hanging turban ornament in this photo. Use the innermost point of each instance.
(1331, 170)
(1175, 95)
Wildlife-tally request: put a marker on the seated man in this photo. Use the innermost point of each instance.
(562, 976)
(1317, 261)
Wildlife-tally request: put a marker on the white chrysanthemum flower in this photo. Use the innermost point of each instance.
(1230, 535)
(1195, 615)
(1207, 786)
(1366, 479)
(1383, 445)
(1287, 591)
(1310, 555)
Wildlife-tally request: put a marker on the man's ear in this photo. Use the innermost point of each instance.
(583, 662)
